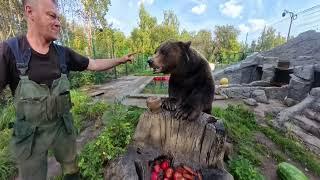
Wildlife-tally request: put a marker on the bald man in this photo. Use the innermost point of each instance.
(36, 70)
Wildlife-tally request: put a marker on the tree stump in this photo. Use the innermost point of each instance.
(199, 144)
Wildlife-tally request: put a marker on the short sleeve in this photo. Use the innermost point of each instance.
(3, 68)
(75, 61)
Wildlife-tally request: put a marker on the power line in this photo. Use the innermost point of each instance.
(309, 22)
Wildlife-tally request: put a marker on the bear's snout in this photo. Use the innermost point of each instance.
(150, 61)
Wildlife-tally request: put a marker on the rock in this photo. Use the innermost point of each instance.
(308, 125)
(298, 88)
(274, 111)
(290, 102)
(209, 174)
(237, 92)
(250, 102)
(304, 72)
(310, 114)
(249, 74)
(278, 93)
(267, 75)
(306, 44)
(260, 83)
(315, 92)
(260, 96)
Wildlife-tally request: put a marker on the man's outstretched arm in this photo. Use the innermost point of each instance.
(105, 64)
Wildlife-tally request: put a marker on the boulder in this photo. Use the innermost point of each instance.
(298, 88)
(304, 72)
(260, 96)
(250, 102)
(315, 92)
(290, 102)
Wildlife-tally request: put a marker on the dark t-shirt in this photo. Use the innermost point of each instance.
(43, 68)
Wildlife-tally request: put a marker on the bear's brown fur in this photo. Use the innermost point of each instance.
(191, 85)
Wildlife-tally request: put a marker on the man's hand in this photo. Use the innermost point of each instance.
(128, 57)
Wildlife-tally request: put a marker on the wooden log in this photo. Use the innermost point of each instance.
(200, 144)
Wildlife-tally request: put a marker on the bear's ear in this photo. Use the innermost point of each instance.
(187, 44)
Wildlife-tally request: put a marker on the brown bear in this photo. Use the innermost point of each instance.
(191, 85)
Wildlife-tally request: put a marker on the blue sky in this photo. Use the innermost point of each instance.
(247, 15)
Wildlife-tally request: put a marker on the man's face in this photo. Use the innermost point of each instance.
(45, 18)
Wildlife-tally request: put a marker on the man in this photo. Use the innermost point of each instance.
(35, 69)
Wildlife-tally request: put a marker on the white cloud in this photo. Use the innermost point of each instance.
(199, 9)
(150, 2)
(231, 8)
(253, 25)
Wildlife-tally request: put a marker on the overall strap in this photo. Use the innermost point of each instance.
(22, 56)
(62, 58)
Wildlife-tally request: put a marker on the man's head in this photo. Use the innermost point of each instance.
(43, 17)
(169, 56)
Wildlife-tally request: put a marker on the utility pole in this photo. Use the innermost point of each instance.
(246, 43)
(293, 16)
(113, 55)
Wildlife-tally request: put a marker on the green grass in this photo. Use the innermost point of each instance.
(293, 149)
(241, 125)
(155, 88)
(241, 128)
(120, 124)
(85, 109)
(242, 169)
(7, 168)
(7, 115)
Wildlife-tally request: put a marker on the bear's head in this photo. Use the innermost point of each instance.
(169, 55)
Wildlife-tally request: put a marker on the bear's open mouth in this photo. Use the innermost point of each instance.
(157, 69)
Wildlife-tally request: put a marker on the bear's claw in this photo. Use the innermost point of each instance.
(169, 104)
(187, 112)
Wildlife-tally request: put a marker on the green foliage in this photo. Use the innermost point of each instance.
(294, 149)
(240, 122)
(85, 109)
(156, 88)
(242, 169)
(7, 115)
(7, 168)
(121, 122)
(268, 40)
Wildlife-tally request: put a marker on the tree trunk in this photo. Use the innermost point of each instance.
(199, 144)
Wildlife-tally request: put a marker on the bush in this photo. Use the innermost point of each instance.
(121, 122)
(242, 169)
(7, 115)
(7, 168)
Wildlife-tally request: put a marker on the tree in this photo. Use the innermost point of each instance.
(226, 44)
(185, 36)
(141, 36)
(203, 42)
(11, 18)
(93, 13)
(167, 30)
(268, 39)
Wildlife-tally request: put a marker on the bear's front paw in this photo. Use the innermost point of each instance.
(169, 104)
(187, 112)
